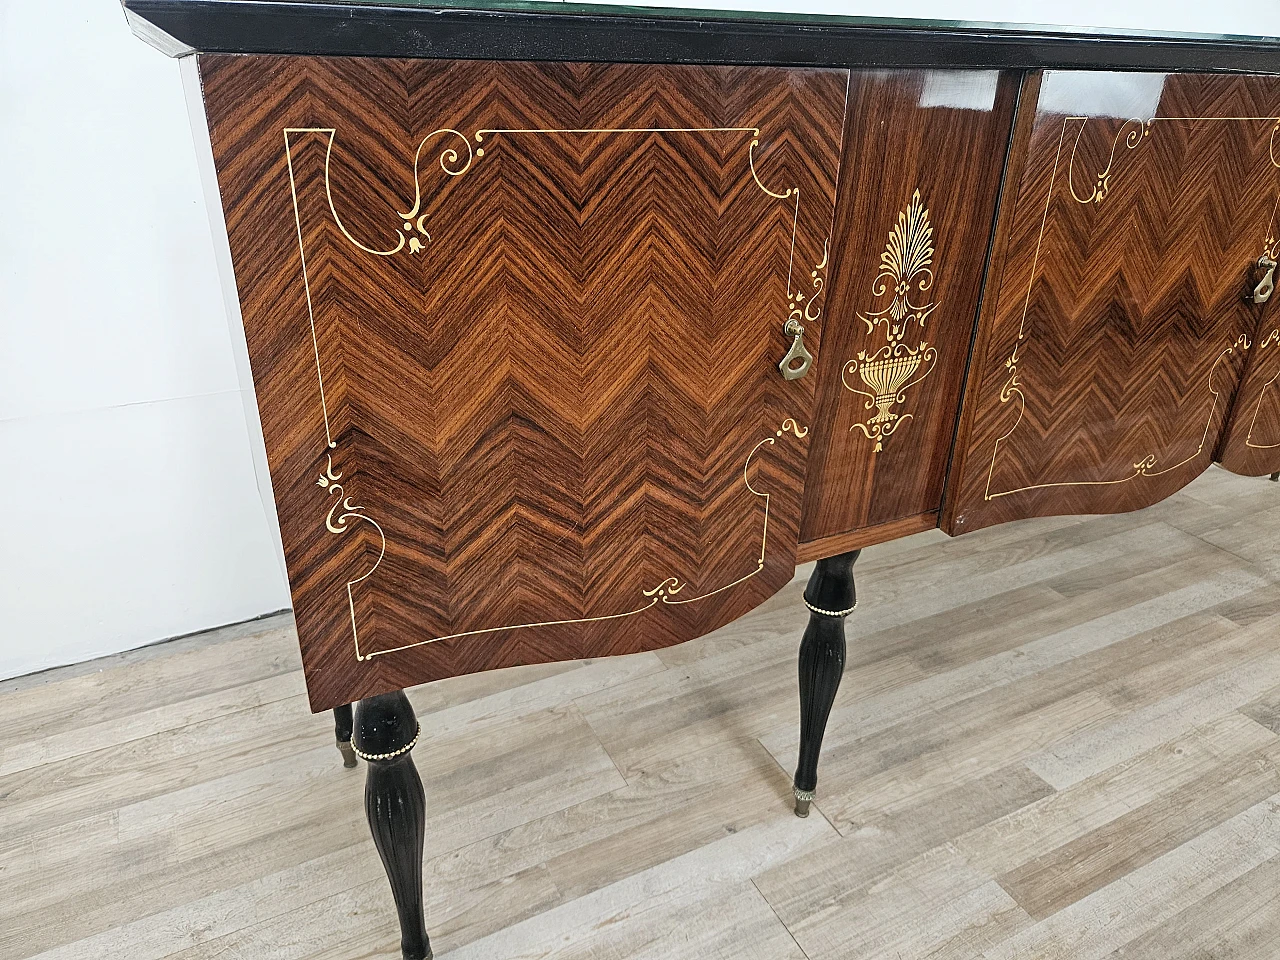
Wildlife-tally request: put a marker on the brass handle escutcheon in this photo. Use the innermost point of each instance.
(798, 360)
(1267, 285)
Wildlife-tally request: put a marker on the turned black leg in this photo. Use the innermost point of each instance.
(342, 722)
(385, 731)
(830, 598)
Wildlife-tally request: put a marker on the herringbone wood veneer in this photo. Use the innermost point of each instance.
(528, 408)
(1114, 333)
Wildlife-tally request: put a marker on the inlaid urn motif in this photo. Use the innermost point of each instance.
(887, 372)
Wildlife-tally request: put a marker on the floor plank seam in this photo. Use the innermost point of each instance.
(760, 893)
(1254, 566)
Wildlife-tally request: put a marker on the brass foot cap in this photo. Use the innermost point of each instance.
(348, 753)
(803, 799)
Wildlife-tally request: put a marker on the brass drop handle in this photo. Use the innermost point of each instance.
(798, 360)
(1267, 285)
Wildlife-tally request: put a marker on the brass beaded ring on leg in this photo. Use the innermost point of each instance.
(830, 613)
(394, 753)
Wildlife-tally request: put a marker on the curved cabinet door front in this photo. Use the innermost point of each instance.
(1113, 333)
(515, 333)
(1251, 445)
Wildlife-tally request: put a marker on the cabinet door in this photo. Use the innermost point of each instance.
(515, 332)
(1113, 333)
(1251, 445)
(923, 153)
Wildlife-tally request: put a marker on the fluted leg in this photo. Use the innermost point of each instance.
(385, 732)
(342, 723)
(830, 598)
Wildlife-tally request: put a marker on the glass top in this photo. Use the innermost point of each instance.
(1242, 20)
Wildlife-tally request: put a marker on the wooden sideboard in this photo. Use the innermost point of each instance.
(515, 328)
(571, 335)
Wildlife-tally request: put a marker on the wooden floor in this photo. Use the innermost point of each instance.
(1055, 739)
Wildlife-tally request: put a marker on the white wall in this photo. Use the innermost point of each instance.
(129, 506)
(130, 510)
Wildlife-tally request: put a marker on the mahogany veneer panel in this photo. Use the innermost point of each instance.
(922, 161)
(527, 409)
(1113, 333)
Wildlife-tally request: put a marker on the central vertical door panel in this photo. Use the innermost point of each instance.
(923, 153)
(515, 331)
(1114, 330)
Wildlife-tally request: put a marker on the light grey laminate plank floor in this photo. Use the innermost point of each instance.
(1055, 739)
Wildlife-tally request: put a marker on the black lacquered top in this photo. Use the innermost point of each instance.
(532, 30)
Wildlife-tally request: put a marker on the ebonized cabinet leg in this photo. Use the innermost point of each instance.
(342, 723)
(830, 598)
(385, 732)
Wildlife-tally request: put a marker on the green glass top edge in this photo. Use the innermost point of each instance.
(815, 20)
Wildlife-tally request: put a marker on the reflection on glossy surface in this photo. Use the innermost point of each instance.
(959, 89)
(1085, 93)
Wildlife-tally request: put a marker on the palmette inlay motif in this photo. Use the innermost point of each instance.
(454, 162)
(888, 371)
(907, 261)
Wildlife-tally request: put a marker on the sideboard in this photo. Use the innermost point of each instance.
(571, 332)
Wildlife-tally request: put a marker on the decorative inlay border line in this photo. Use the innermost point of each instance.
(1138, 132)
(341, 513)
(1271, 338)
(797, 308)
(411, 236)
(890, 370)
(664, 592)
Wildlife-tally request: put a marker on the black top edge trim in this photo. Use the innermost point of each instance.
(238, 26)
